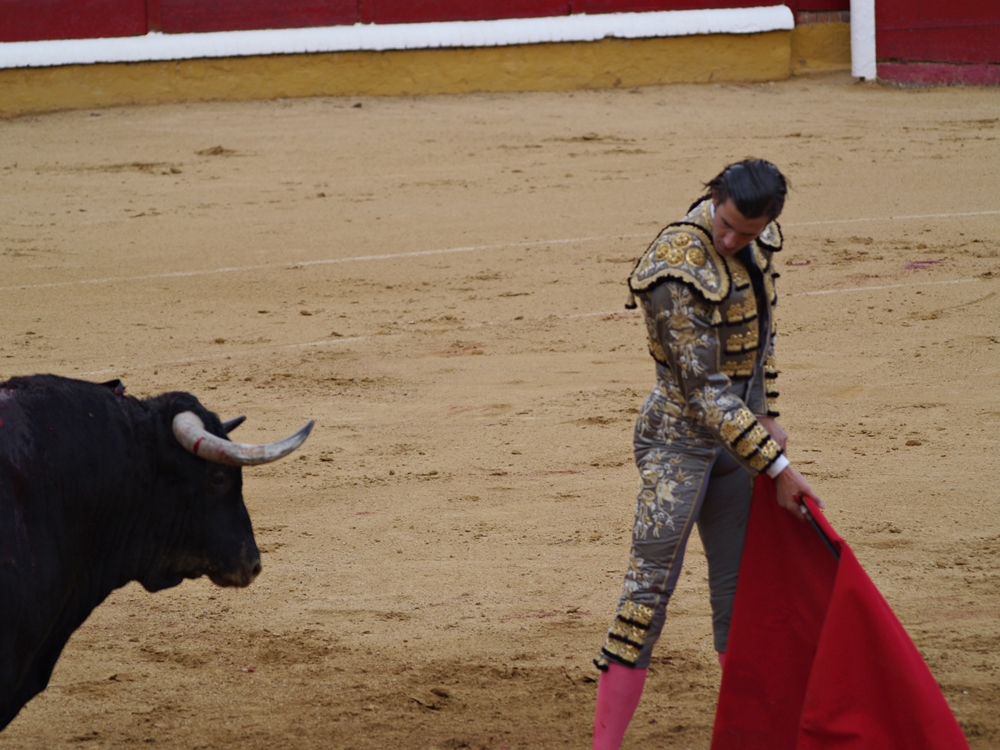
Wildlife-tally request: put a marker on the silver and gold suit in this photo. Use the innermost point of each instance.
(697, 440)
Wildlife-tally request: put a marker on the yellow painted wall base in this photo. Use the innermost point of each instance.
(821, 47)
(536, 67)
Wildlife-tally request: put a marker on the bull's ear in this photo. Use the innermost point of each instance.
(115, 385)
(232, 424)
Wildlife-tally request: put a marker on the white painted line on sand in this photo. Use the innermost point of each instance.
(893, 218)
(879, 288)
(229, 354)
(436, 251)
(575, 316)
(300, 264)
(605, 313)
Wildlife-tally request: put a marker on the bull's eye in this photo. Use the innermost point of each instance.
(219, 482)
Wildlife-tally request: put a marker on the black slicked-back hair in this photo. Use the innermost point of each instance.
(756, 187)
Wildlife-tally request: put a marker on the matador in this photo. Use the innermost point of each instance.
(706, 287)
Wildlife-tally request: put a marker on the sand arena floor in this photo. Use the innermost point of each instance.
(439, 283)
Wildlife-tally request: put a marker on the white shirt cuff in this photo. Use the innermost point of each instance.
(778, 466)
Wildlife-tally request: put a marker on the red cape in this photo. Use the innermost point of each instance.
(816, 658)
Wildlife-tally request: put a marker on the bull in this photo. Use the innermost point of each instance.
(98, 489)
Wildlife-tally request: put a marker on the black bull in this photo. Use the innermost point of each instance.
(98, 489)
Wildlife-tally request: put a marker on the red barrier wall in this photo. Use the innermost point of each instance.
(27, 20)
(624, 6)
(819, 5)
(31, 20)
(415, 11)
(179, 16)
(958, 31)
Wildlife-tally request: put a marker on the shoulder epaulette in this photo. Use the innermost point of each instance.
(682, 252)
(771, 237)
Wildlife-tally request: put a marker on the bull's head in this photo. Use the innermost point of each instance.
(220, 543)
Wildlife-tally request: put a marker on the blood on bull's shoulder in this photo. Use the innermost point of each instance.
(98, 489)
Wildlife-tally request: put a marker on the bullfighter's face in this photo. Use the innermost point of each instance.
(731, 230)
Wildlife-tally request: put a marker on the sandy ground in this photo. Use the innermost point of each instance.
(439, 283)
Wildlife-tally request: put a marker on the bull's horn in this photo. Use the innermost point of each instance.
(191, 433)
(231, 424)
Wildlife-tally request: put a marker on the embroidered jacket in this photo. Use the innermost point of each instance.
(706, 329)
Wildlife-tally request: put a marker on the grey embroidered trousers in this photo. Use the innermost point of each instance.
(686, 479)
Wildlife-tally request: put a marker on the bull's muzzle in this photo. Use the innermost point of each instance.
(241, 577)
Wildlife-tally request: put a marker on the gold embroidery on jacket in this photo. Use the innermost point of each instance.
(770, 367)
(683, 252)
(680, 240)
(656, 350)
(666, 251)
(742, 342)
(742, 368)
(741, 277)
(752, 440)
(695, 256)
(760, 258)
(716, 290)
(737, 424)
(741, 311)
(770, 450)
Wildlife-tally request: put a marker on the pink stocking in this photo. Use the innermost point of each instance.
(722, 659)
(618, 694)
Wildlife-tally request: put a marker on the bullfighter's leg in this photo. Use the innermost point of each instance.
(722, 524)
(672, 487)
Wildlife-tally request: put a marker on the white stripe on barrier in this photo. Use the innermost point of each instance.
(379, 37)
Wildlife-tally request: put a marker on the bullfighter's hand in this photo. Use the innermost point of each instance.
(790, 487)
